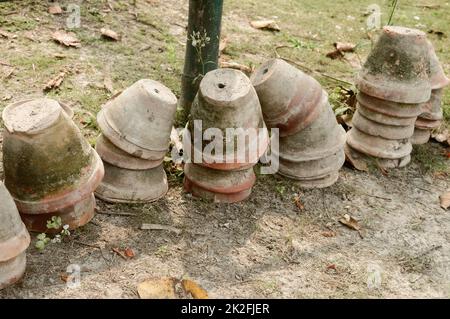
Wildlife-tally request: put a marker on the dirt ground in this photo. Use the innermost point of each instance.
(265, 247)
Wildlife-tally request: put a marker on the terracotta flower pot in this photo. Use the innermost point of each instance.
(14, 240)
(420, 136)
(139, 120)
(385, 163)
(48, 164)
(378, 146)
(290, 99)
(390, 132)
(227, 100)
(219, 186)
(75, 216)
(432, 110)
(115, 156)
(122, 185)
(438, 78)
(398, 68)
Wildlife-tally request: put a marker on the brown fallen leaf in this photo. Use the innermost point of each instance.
(335, 54)
(157, 288)
(344, 46)
(119, 252)
(328, 233)
(129, 253)
(5, 63)
(55, 82)
(445, 200)
(331, 267)
(64, 277)
(299, 203)
(110, 34)
(66, 39)
(236, 66)
(355, 159)
(55, 9)
(270, 25)
(441, 137)
(351, 223)
(194, 289)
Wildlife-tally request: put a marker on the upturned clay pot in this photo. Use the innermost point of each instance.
(139, 120)
(216, 185)
(290, 99)
(420, 136)
(321, 182)
(122, 185)
(390, 132)
(117, 157)
(227, 100)
(323, 138)
(312, 170)
(386, 112)
(75, 216)
(48, 164)
(378, 146)
(398, 68)
(425, 124)
(385, 163)
(14, 240)
(438, 78)
(432, 110)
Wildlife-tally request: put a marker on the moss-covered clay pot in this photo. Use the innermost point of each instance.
(117, 157)
(438, 78)
(122, 185)
(430, 119)
(14, 240)
(75, 216)
(48, 164)
(398, 68)
(227, 100)
(290, 99)
(218, 186)
(420, 136)
(139, 120)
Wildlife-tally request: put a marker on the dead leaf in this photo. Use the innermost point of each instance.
(55, 82)
(335, 54)
(129, 253)
(194, 289)
(64, 277)
(344, 46)
(265, 25)
(351, 223)
(355, 159)
(161, 227)
(441, 137)
(5, 63)
(55, 9)
(445, 200)
(236, 66)
(163, 288)
(119, 252)
(328, 233)
(66, 39)
(110, 34)
(299, 203)
(331, 267)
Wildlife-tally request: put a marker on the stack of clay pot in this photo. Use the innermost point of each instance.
(393, 84)
(432, 115)
(136, 128)
(50, 169)
(310, 140)
(14, 240)
(226, 100)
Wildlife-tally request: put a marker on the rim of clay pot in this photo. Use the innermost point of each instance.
(75, 216)
(117, 157)
(110, 193)
(212, 184)
(385, 119)
(355, 155)
(229, 198)
(432, 110)
(426, 124)
(13, 270)
(420, 136)
(403, 88)
(92, 176)
(15, 246)
(322, 182)
(438, 78)
(389, 108)
(378, 146)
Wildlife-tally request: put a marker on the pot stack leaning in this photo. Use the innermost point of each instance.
(432, 115)
(50, 169)
(136, 128)
(393, 83)
(226, 136)
(311, 142)
(14, 240)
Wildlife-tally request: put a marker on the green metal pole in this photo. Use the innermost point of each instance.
(202, 47)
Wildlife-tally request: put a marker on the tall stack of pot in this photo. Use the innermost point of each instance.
(50, 169)
(310, 140)
(225, 138)
(432, 115)
(136, 126)
(393, 83)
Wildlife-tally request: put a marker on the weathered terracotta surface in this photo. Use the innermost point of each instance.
(14, 240)
(75, 216)
(117, 157)
(139, 120)
(290, 99)
(47, 162)
(432, 110)
(438, 78)
(398, 68)
(378, 146)
(420, 136)
(356, 156)
(122, 185)
(321, 182)
(227, 198)
(227, 100)
(423, 124)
